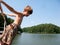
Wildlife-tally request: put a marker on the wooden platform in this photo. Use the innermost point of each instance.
(1, 32)
(0, 35)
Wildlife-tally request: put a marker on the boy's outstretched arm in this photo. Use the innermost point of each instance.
(13, 15)
(10, 8)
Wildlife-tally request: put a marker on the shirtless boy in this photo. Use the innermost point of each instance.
(8, 34)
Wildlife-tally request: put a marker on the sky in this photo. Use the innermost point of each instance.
(44, 11)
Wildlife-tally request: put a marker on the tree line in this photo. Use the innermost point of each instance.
(8, 21)
(43, 29)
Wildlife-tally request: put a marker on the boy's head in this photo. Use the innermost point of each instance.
(27, 11)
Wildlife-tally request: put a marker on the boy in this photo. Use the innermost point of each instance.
(11, 29)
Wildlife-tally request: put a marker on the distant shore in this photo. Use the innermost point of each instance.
(43, 29)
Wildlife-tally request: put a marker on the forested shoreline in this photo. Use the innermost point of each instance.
(43, 29)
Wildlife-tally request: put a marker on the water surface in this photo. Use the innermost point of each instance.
(36, 39)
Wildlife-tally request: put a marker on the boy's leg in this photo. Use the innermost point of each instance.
(2, 34)
(5, 33)
(10, 36)
(1, 43)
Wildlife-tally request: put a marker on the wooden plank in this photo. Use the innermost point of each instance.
(1, 32)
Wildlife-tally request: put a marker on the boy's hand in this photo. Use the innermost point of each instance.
(0, 0)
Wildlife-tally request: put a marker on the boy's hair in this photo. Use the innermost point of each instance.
(29, 9)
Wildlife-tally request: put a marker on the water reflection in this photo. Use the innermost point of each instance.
(37, 39)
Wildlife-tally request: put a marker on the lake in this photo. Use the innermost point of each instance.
(36, 39)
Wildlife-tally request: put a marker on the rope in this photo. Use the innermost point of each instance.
(3, 16)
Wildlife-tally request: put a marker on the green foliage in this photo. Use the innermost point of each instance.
(43, 28)
(8, 21)
(2, 21)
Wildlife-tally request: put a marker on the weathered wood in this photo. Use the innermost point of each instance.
(1, 32)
